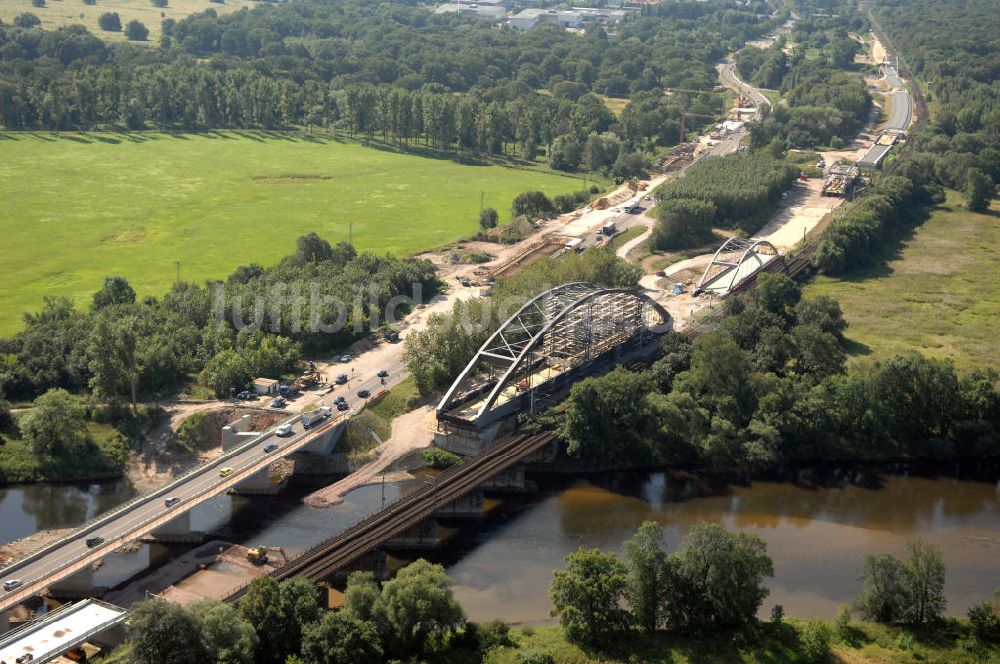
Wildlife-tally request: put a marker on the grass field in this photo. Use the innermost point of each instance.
(939, 294)
(58, 13)
(80, 207)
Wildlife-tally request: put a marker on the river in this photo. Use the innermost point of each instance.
(817, 531)
(817, 535)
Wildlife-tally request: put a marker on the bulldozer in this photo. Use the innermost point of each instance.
(258, 554)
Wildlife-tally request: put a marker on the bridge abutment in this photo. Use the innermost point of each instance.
(326, 443)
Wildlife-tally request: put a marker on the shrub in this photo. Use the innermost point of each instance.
(815, 642)
(440, 459)
(136, 31)
(110, 22)
(38, 3)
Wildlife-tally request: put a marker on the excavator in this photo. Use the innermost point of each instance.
(258, 554)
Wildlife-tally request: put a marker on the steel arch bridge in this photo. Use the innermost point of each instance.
(549, 342)
(734, 262)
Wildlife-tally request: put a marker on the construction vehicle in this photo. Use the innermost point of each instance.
(258, 554)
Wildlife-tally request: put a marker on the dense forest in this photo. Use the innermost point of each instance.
(396, 71)
(824, 100)
(953, 48)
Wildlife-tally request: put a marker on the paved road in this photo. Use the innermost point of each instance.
(37, 571)
(728, 77)
(902, 111)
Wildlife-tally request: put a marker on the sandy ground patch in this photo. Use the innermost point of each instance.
(411, 431)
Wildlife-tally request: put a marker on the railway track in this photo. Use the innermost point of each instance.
(335, 554)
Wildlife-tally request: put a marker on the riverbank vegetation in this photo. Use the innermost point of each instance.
(699, 603)
(768, 388)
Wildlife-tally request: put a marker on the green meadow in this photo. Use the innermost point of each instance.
(937, 293)
(78, 207)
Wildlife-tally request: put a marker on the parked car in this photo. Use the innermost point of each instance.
(247, 395)
(283, 430)
(270, 448)
(226, 472)
(277, 403)
(343, 405)
(26, 657)
(94, 541)
(383, 374)
(171, 501)
(364, 394)
(345, 358)
(340, 379)
(10, 584)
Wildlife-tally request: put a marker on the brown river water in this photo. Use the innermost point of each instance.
(817, 536)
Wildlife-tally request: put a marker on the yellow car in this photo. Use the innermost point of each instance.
(226, 472)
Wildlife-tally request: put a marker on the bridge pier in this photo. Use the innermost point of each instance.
(177, 529)
(4, 621)
(469, 506)
(260, 484)
(326, 443)
(511, 479)
(376, 562)
(466, 442)
(77, 584)
(423, 535)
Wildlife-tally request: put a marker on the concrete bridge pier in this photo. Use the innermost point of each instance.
(469, 506)
(4, 621)
(423, 535)
(467, 441)
(376, 562)
(77, 584)
(326, 443)
(177, 529)
(510, 480)
(259, 484)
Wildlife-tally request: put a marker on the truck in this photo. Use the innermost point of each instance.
(574, 244)
(609, 229)
(314, 416)
(632, 207)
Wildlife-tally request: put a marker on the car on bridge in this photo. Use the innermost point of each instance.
(10, 584)
(171, 501)
(270, 448)
(94, 541)
(283, 430)
(226, 472)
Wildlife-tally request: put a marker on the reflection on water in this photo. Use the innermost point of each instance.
(27, 508)
(818, 536)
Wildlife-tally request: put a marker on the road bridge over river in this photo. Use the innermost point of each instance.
(66, 565)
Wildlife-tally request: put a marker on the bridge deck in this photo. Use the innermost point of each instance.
(337, 553)
(63, 630)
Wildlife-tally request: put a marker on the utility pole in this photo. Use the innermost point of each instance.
(482, 198)
(177, 264)
(350, 232)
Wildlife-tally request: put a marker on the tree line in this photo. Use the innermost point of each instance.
(257, 322)
(382, 69)
(769, 388)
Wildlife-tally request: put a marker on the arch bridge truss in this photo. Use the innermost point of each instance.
(734, 262)
(549, 342)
